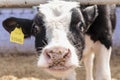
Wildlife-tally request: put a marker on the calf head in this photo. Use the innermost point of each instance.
(59, 28)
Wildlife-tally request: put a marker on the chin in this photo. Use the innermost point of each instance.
(59, 72)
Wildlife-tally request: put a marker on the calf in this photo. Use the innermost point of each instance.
(66, 33)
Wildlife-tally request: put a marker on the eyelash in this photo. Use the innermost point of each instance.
(80, 26)
(36, 30)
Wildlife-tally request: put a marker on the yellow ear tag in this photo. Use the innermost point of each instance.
(17, 36)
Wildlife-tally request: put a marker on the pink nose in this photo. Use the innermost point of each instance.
(56, 53)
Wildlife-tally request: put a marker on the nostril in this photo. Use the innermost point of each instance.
(67, 54)
(48, 56)
(47, 53)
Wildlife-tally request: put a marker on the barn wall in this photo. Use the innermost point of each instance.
(116, 36)
(28, 47)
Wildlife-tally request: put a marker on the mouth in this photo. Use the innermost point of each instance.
(57, 71)
(59, 68)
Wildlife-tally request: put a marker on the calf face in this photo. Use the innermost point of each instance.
(59, 29)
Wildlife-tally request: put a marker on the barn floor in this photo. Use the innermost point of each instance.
(23, 67)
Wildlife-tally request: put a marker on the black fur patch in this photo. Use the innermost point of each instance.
(102, 29)
(75, 36)
(40, 40)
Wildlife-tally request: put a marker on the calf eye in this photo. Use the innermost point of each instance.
(80, 26)
(36, 30)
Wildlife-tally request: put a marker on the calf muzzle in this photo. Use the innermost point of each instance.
(57, 56)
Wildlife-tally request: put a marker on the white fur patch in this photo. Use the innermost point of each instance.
(102, 59)
(57, 8)
(88, 45)
(88, 57)
(57, 18)
(102, 62)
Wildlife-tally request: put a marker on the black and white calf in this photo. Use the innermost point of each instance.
(66, 33)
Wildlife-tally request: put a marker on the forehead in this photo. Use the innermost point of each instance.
(57, 10)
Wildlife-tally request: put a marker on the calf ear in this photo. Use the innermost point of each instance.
(90, 13)
(11, 23)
